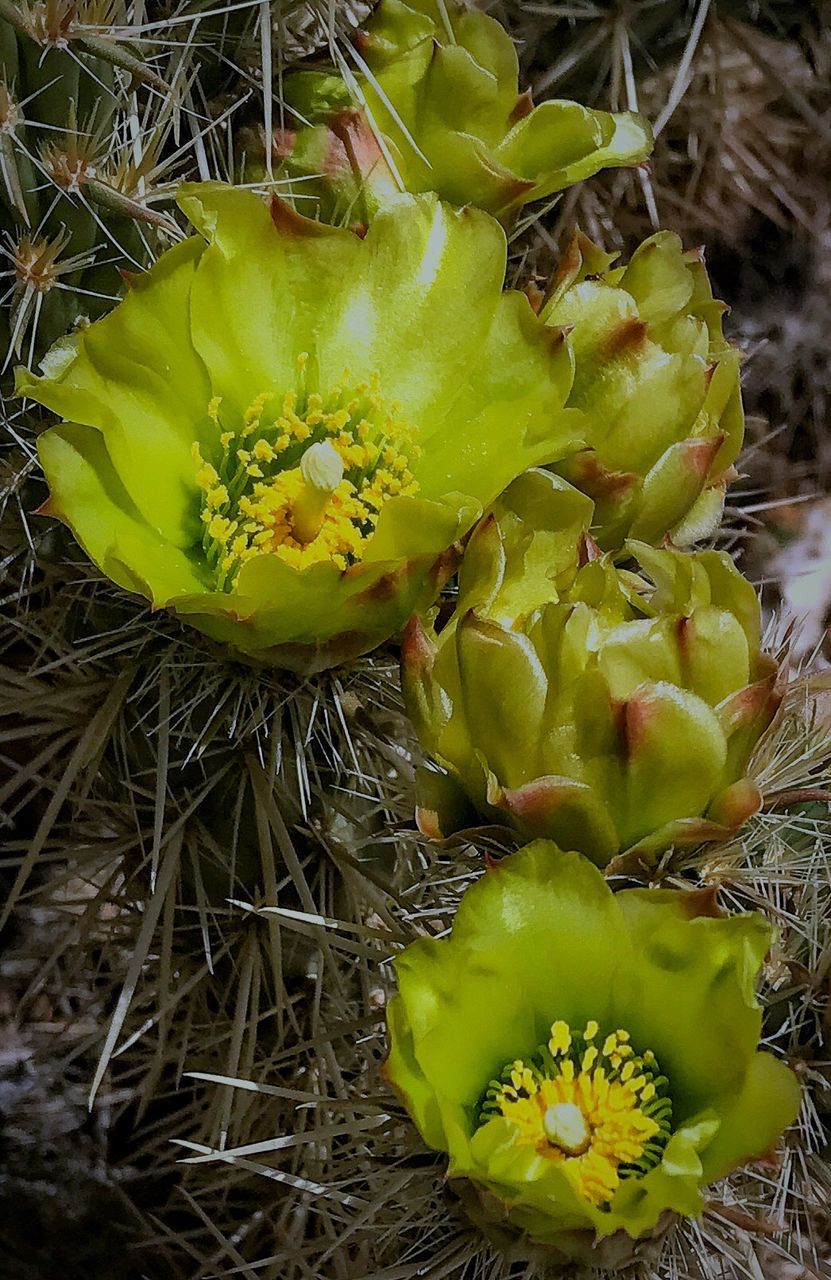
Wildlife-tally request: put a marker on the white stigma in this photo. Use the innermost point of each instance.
(565, 1126)
(322, 467)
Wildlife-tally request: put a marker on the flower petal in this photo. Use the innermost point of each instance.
(691, 998)
(315, 617)
(560, 143)
(136, 377)
(263, 285)
(537, 938)
(425, 335)
(666, 776)
(402, 1069)
(506, 729)
(508, 414)
(752, 1125)
(88, 495)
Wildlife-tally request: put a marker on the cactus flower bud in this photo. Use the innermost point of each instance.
(438, 108)
(658, 385)
(608, 702)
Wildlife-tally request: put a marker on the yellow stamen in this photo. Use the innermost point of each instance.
(560, 1041)
(602, 1113)
(300, 479)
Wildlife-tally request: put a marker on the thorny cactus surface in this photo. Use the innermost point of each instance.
(84, 116)
(227, 857)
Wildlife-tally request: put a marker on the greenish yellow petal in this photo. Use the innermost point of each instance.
(424, 336)
(692, 997)
(561, 143)
(665, 779)
(403, 1070)
(506, 729)
(546, 918)
(506, 414)
(752, 1124)
(136, 377)
(263, 283)
(88, 494)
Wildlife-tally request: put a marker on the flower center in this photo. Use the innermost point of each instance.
(305, 481)
(588, 1102)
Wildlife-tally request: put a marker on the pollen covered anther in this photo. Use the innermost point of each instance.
(601, 1111)
(304, 475)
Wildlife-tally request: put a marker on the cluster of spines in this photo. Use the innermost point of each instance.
(79, 152)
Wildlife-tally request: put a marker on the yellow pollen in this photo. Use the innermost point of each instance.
(560, 1041)
(601, 1113)
(589, 1058)
(302, 476)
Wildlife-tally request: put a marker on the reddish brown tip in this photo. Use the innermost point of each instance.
(386, 587)
(700, 455)
(626, 337)
(735, 805)
(417, 648)
(282, 143)
(427, 821)
(589, 550)
(535, 804)
(289, 222)
(524, 106)
(703, 903)
(756, 702)
(554, 337)
(586, 472)
(636, 714)
(535, 295)
(445, 565)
